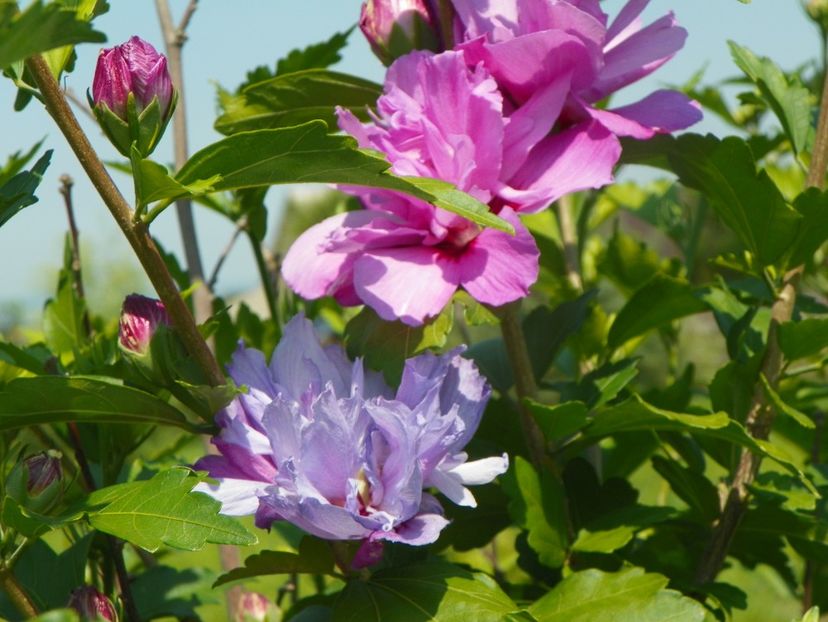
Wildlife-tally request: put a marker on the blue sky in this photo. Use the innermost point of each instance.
(228, 38)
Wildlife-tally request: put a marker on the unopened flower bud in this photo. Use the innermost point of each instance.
(132, 95)
(396, 27)
(254, 607)
(92, 605)
(43, 470)
(37, 481)
(140, 318)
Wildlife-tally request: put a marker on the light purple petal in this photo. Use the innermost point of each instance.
(239, 497)
(410, 284)
(418, 531)
(313, 516)
(626, 17)
(496, 267)
(300, 364)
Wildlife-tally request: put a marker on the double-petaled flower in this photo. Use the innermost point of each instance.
(328, 446)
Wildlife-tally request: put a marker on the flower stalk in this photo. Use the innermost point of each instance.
(17, 594)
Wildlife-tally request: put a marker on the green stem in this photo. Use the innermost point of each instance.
(524, 380)
(264, 274)
(136, 233)
(17, 595)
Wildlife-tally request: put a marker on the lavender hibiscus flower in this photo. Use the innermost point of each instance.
(326, 445)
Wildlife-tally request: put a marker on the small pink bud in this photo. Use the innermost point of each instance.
(140, 317)
(132, 67)
(43, 470)
(92, 605)
(254, 607)
(396, 27)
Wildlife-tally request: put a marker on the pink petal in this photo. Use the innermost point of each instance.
(528, 63)
(496, 267)
(663, 111)
(532, 122)
(409, 284)
(637, 56)
(576, 159)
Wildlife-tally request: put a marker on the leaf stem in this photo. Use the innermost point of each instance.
(761, 413)
(66, 184)
(17, 595)
(136, 233)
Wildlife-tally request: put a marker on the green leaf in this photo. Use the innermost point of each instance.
(803, 338)
(164, 511)
(812, 615)
(746, 200)
(308, 154)
(420, 592)
(314, 557)
(18, 192)
(813, 206)
(386, 345)
(605, 383)
(315, 56)
(538, 506)
(661, 300)
(63, 316)
(161, 591)
(690, 486)
(57, 615)
(66, 569)
(39, 28)
(630, 594)
(614, 530)
(52, 399)
(295, 98)
(634, 414)
(154, 183)
(800, 417)
(16, 161)
(559, 421)
(790, 101)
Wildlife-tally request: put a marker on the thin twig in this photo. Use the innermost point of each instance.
(135, 233)
(761, 413)
(66, 184)
(268, 276)
(174, 39)
(80, 104)
(241, 226)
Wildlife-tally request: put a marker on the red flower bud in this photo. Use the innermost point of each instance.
(43, 470)
(396, 27)
(92, 605)
(140, 317)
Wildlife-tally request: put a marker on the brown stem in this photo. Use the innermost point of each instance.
(524, 376)
(761, 413)
(66, 184)
(17, 595)
(135, 233)
(174, 39)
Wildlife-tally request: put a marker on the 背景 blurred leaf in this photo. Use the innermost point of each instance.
(163, 511)
(803, 338)
(313, 557)
(660, 300)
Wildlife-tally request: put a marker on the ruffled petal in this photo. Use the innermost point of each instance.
(497, 268)
(411, 284)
